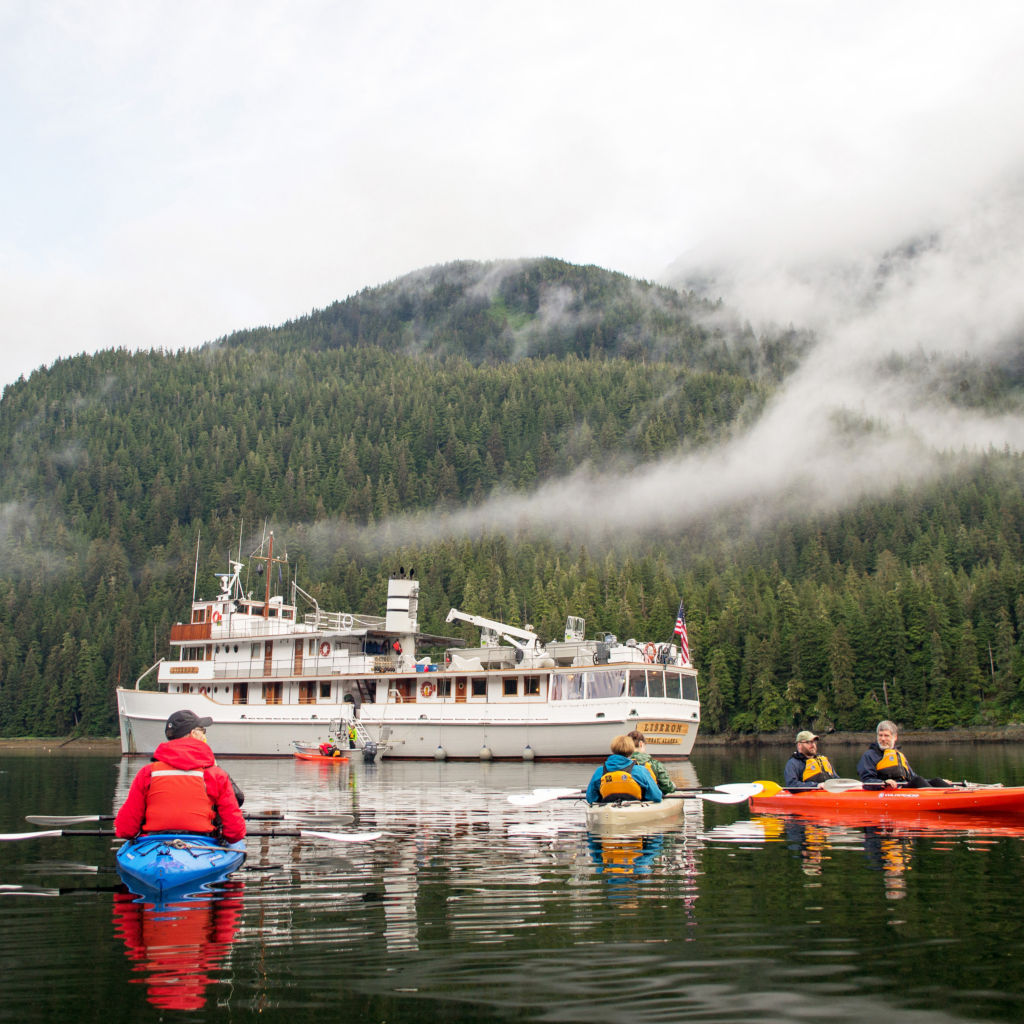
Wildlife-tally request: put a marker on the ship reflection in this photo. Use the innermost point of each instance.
(175, 947)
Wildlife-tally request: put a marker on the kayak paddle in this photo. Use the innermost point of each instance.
(338, 837)
(727, 793)
(829, 785)
(81, 819)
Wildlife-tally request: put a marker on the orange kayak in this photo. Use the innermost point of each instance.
(886, 803)
(315, 755)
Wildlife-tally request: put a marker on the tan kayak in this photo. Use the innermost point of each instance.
(601, 817)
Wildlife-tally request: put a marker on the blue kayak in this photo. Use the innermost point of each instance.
(176, 863)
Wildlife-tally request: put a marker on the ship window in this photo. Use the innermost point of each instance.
(510, 687)
(637, 683)
(655, 684)
(689, 688)
(444, 688)
(531, 686)
(254, 650)
(672, 686)
(567, 686)
(198, 614)
(479, 687)
(325, 691)
(606, 683)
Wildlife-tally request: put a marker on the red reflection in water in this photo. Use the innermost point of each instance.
(176, 945)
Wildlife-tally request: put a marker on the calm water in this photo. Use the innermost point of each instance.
(471, 909)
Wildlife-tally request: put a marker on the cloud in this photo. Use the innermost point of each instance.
(870, 408)
(182, 171)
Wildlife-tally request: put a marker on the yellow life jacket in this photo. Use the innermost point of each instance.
(620, 784)
(818, 768)
(893, 765)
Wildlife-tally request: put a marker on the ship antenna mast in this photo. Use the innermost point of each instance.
(270, 560)
(195, 574)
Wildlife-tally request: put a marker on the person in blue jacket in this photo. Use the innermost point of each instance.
(807, 769)
(882, 764)
(621, 778)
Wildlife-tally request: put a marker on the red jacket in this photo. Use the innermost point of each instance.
(185, 794)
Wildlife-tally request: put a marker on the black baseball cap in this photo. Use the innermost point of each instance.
(181, 723)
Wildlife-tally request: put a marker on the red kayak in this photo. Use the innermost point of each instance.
(885, 803)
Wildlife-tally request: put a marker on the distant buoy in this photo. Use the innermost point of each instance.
(440, 754)
(527, 753)
(485, 754)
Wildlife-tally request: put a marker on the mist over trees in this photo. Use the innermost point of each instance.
(432, 394)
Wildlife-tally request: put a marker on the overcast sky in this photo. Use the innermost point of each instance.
(176, 171)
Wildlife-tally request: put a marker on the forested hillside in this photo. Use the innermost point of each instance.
(428, 394)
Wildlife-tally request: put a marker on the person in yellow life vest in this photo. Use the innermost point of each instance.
(883, 764)
(352, 734)
(807, 769)
(621, 778)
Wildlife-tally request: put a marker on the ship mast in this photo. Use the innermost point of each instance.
(270, 560)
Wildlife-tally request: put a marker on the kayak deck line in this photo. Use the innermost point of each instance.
(178, 862)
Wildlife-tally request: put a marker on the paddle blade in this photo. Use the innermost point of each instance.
(768, 788)
(744, 789)
(341, 837)
(70, 819)
(841, 785)
(541, 796)
(722, 798)
(13, 837)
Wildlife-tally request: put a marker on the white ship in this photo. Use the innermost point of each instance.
(272, 674)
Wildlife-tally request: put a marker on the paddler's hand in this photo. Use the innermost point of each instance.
(891, 784)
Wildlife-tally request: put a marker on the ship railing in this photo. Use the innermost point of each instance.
(238, 628)
(342, 622)
(311, 668)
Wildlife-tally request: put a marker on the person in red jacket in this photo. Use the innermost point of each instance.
(182, 789)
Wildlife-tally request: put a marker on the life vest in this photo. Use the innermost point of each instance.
(893, 765)
(178, 801)
(620, 784)
(818, 768)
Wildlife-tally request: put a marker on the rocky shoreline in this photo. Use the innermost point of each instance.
(989, 734)
(111, 747)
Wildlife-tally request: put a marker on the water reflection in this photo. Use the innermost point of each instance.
(624, 855)
(176, 947)
(472, 908)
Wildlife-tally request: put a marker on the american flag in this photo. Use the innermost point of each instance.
(684, 641)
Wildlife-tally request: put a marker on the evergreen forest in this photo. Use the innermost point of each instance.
(432, 393)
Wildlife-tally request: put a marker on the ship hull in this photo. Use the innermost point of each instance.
(574, 730)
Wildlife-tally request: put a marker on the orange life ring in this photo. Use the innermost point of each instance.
(216, 618)
(427, 689)
(650, 653)
(325, 649)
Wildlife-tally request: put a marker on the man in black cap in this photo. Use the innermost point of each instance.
(182, 789)
(807, 769)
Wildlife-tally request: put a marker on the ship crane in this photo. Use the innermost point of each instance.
(523, 639)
